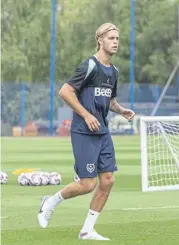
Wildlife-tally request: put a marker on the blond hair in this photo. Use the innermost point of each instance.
(103, 29)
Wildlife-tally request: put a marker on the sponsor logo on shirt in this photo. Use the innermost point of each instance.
(103, 92)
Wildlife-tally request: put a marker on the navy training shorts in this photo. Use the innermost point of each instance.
(93, 154)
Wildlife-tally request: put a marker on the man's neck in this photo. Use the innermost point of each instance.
(103, 58)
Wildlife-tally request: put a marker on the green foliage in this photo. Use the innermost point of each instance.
(25, 40)
(26, 36)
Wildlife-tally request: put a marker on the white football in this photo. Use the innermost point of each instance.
(76, 178)
(3, 178)
(45, 178)
(35, 179)
(55, 178)
(24, 179)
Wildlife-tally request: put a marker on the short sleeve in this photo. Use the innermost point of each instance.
(78, 77)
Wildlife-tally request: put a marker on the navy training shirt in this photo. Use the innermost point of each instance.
(95, 86)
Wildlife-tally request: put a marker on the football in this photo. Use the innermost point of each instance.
(35, 179)
(45, 178)
(24, 179)
(55, 178)
(76, 178)
(3, 177)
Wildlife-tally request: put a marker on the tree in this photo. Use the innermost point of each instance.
(25, 40)
(26, 37)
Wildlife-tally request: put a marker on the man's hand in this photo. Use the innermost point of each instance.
(67, 93)
(92, 122)
(128, 114)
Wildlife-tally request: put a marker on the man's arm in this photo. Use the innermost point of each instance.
(67, 93)
(115, 107)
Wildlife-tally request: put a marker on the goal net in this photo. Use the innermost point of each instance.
(160, 153)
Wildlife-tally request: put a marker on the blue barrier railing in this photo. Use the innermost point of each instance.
(22, 103)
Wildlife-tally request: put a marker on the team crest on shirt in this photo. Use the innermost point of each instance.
(90, 167)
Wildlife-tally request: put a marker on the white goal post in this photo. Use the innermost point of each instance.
(160, 153)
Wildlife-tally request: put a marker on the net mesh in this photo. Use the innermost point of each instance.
(163, 153)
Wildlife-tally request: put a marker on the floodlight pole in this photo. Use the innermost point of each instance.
(132, 57)
(177, 80)
(22, 114)
(52, 65)
(178, 23)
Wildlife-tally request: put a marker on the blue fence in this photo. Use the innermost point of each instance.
(23, 103)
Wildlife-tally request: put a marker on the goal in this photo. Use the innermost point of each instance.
(160, 153)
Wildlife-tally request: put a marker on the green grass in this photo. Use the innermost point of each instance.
(122, 220)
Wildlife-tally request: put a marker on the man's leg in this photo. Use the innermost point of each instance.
(86, 150)
(85, 186)
(106, 167)
(99, 199)
(106, 181)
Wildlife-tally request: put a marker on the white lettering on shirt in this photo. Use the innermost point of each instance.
(103, 92)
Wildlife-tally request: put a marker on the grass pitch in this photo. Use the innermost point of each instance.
(129, 218)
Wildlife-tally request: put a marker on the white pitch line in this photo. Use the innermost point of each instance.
(150, 208)
(5, 217)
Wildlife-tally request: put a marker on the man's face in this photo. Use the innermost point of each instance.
(110, 42)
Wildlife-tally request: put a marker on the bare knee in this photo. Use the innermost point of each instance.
(88, 185)
(106, 181)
